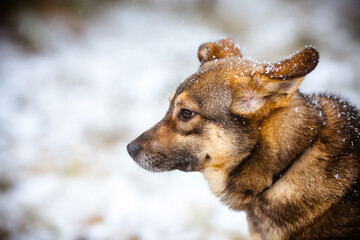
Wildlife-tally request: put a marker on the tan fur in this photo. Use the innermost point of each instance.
(172, 97)
(291, 161)
(220, 146)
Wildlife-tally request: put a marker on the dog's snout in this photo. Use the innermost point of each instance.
(133, 149)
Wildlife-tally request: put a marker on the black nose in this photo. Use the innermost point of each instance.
(133, 149)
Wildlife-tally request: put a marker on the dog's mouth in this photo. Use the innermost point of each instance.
(158, 163)
(151, 163)
(161, 161)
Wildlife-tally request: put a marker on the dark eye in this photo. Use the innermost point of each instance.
(186, 114)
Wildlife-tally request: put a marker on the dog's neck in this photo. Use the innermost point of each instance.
(250, 185)
(241, 186)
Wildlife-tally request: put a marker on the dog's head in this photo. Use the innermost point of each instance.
(214, 115)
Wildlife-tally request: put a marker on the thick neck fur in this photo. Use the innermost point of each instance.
(295, 130)
(270, 184)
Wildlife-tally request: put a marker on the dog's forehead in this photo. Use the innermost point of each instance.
(231, 64)
(219, 70)
(217, 74)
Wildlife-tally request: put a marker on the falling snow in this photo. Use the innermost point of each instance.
(68, 111)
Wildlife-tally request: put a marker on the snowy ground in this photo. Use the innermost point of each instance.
(68, 111)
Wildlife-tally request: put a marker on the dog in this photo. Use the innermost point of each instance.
(289, 159)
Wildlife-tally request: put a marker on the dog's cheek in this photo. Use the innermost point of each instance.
(222, 150)
(217, 144)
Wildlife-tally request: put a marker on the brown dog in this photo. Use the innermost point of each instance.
(290, 160)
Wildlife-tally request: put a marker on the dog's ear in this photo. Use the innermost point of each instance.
(296, 65)
(271, 86)
(215, 50)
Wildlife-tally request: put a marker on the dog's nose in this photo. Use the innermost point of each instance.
(133, 149)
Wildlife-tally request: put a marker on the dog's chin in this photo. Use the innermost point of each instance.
(154, 164)
(186, 166)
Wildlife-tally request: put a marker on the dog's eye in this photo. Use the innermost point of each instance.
(186, 115)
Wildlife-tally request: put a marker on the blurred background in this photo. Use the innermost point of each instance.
(80, 79)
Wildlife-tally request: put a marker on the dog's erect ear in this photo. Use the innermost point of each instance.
(294, 66)
(216, 50)
(272, 85)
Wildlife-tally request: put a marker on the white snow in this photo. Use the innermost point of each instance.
(68, 111)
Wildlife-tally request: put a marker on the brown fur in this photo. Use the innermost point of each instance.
(290, 160)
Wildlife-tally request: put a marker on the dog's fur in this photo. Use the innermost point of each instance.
(290, 160)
